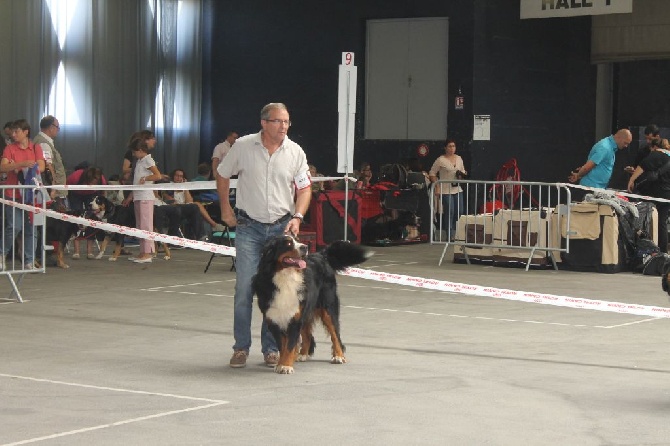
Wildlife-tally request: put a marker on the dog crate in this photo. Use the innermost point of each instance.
(520, 229)
(327, 217)
(478, 231)
(595, 245)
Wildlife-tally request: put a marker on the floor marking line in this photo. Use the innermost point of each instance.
(117, 423)
(190, 293)
(186, 284)
(111, 389)
(486, 318)
(632, 323)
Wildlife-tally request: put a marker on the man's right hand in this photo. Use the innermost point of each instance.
(228, 216)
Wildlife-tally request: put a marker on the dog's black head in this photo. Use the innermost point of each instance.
(101, 206)
(283, 251)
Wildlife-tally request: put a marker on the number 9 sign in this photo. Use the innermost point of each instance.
(347, 59)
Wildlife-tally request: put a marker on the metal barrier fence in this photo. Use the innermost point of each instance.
(23, 237)
(503, 221)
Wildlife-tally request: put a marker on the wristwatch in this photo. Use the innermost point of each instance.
(299, 216)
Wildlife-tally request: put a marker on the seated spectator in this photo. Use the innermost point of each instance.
(167, 219)
(366, 179)
(316, 185)
(204, 174)
(191, 211)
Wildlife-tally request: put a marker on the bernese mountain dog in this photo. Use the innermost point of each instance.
(295, 289)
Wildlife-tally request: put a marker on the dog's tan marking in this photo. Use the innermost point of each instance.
(338, 351)
(306, 334)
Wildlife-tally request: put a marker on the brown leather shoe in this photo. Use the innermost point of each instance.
(239, 359)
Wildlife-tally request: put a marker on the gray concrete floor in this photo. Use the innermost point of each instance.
(117, 353)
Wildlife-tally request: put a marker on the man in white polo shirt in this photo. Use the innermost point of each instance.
(273, 194)
(222, 149)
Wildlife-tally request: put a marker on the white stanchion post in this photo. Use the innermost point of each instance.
(346, 111)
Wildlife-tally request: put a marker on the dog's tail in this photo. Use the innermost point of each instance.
(342, 254)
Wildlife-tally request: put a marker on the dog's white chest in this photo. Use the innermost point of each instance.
(287, 298)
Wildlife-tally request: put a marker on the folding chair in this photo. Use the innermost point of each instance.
(223, 237)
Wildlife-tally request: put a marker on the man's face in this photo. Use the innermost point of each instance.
(625, 142)
(8, 133)
(276, 126)
(232, 138)
(53, 129)
(649, 138)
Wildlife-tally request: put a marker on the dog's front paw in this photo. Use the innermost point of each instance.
(167, 258)
(284, 369)
(63, 265)
(302, 358)
(338, 360)
(112, 259)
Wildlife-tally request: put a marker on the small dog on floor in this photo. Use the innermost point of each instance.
(112, 213)
(295, 289)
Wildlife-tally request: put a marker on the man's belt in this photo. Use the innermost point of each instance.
(283, 219)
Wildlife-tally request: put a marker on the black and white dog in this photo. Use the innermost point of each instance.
(109, 212)
(295, 289)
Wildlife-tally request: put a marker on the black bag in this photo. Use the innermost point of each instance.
(394, 173)
(645, 250)
(655, 265)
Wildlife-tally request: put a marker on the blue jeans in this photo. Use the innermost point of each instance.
(250, 237)
(16, 221)
(452, 205)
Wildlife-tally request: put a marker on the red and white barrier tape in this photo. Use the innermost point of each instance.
(399, 279)
(500, 293)
(132, 232)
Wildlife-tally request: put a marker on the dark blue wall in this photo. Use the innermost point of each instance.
(533, 77)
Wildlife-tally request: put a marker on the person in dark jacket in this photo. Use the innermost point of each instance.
(656, 159)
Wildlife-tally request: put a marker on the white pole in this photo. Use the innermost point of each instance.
(346, 107)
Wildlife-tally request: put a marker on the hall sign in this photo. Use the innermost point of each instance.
(533, 9)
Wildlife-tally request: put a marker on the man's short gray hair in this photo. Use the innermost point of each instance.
(265, 111)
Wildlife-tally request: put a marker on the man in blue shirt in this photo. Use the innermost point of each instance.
(596, 172)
